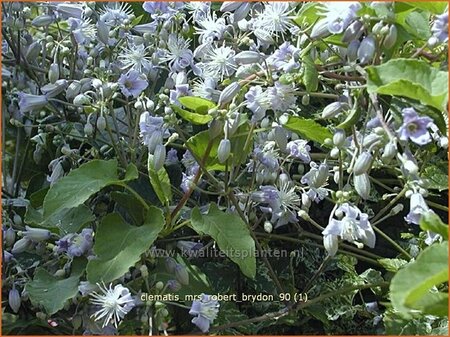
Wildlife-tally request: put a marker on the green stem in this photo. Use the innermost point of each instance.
(135, 194)
(393, 243)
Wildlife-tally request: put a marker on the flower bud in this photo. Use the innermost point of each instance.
(36, 234)
(144, 271)
(280, 137)
(396, 209)
(229, 93)
(306, 99)
(14, 300)
(242, 11)
(81, 100)
(53, 73)
(181, 274)
(43, 20)
(389, 152)
(320, 29)
(334, 153)
(173, 285)
(103, 32)
(247, 57)
(331, 244)
(391, 37)
(33, 51)
(230, 6)
(88, 129)
(20, 246)
(362, 185)
(321, 177)
(363, 163)
(170, 264)
(367, 49)
(352, 50)
(376, 29)
(331, 110)
(10, 237)
(306, 201)
(268, 227)
(339, 138)
(353, 32)
(101, 123)
(224, 150)
(159, 157)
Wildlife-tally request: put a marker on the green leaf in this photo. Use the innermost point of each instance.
(392, 264)
(119, 245)
(197, 104)
(130, 204)
(51, 292)
(80, 184)
(435, 7)
(308, 14)
(409, 78)
(310, 75)
(194, 118)
(232, 236)
(198, 145)
(159, 181)
(67, 220)
(437, 177)
(430, 221)
(417, 24)
(412, 283)
(308, 129)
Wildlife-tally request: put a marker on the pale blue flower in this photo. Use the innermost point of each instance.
(153, 130)
(283, 96)
(83, 31)
(178, 53)
(258, 101)
(284, 58)
(206, 310)
(339, 15)
(440, 27)
(28, 102)
(283, 202)
(414, 127)
(132, 83)
(299, 149)
(76, 244)
(417, 208)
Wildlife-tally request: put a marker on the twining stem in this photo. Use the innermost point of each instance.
(193, 183)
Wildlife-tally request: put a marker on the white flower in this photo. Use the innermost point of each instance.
(115, 13)
(417, 208)
(217, 62)
(136, 57)
(211, 28)
(274, 20)
(354, 227)
(115, 304)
